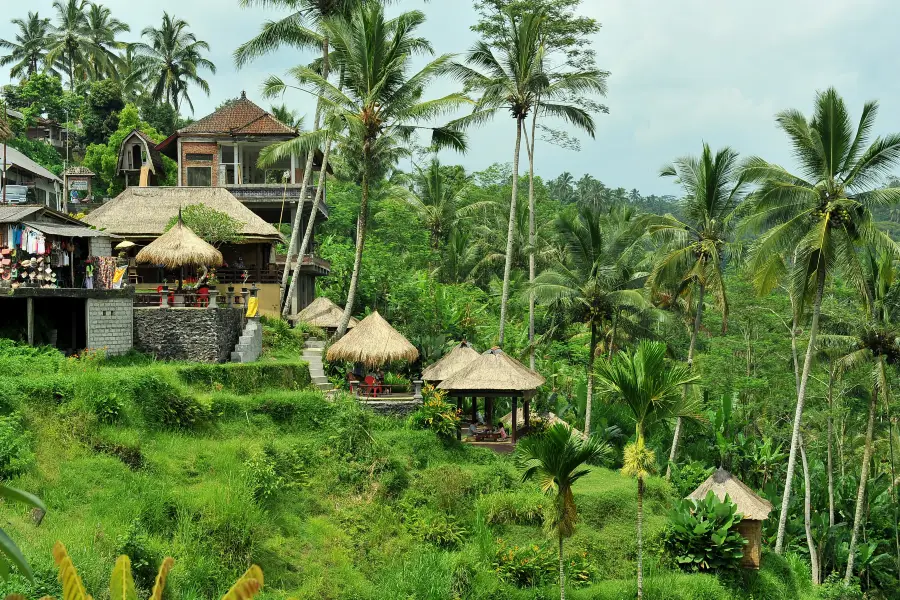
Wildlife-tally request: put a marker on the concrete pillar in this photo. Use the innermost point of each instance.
(229, 296)
(417, 390)
(245, 294)
(29, 309)
(213, 295)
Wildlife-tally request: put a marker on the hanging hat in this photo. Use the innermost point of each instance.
(48, 270)
(25, 263)
(15, 285)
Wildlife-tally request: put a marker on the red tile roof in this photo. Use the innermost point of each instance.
(241, 117)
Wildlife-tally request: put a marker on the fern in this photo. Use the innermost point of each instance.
(160, 584)
(247, 586)
(121, 584)
(73, 588)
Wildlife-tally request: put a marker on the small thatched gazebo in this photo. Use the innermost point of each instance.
(494, 374)
(323, 313)
(450, 363)
(180, 247)
(755, 510)
(373, 342)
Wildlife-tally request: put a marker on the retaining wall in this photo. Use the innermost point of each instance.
(194, 334)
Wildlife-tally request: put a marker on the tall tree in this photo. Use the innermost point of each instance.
(510, 76)
(378, 105)
(171, 61)
(650, 388)
(556, 460)
(820, 217)
(70, 47)
(103, 30)
(288, 116)
(435, 200)
(28, 49)
(694, 249)
(596, 281)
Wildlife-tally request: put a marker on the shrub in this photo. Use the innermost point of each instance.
(437, 528)
(687, 477)
(47, 389)
(834, 589)
(247, 378)
(513, 508)
(166, 405)
(279, 337)
(397, 383)
(437, 415)
(702, 534)
(351, 429)
(537, 564)
(262, 477)
(15, 446)
(306, 409)
(135, 543)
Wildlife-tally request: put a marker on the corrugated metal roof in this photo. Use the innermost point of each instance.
(14, 214)
(19, 160)
(67, 230)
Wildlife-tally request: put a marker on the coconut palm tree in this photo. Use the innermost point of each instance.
(27, 51)
(596, 280)
(511, 77)
(171, 60)
(820, 217)
(70, 47)
(650, 388)
(378, 105)
(102, 31)
(435, 200)
(556, 460)
(693, 254)
(288, 116)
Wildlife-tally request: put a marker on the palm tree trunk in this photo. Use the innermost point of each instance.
(504, 299)
(298, 218)
(798, 414)
(828, 448)
(698, 318)
(612, 337)
(361, 222)
(310, 225)
(861, 492)
(807, 508)
(589, 395)
(640, 538)
(562, 572)
(532, 269)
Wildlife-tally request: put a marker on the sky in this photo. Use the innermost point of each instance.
(682, 72)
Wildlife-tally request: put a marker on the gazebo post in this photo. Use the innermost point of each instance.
(527, 412)
(515, 429)
(459, 410)
(489, 411)
(474, 409)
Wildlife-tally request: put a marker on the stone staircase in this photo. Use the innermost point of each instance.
(249, 345)
(312, 353)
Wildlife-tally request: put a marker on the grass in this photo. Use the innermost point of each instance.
(332, 501)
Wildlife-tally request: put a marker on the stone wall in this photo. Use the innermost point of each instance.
(195, 334)
(100, 246)
(393, 408)
(109, 324)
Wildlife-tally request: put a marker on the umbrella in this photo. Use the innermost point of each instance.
(124, 245)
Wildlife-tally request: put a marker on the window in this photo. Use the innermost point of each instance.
(199, 176)
(195, 157)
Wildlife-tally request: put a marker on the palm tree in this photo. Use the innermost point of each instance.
(102, 31)
(69, 45)
(596, 280)
(693, 255)
(28, 50)
(556, 460)
(172, 60)
(650, 388)
(514, 79)
(288, 116)
(435, 200)
(819, 217)
(378, 105)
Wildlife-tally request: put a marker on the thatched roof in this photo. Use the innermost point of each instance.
(723, 483)
(144, 212)
(373, 342)
(324, 313)
(450, 363)
(180, 247)
(493, 371)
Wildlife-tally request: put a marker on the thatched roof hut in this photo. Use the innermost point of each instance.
(323, 313)
(373, 342)
(180, 247)
(495, 373)
(754, 508)
(141, 213)
(450, 363)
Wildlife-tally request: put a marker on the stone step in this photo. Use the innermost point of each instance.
(314, 344)
(319, 379)
(312, 355)
(324, 386)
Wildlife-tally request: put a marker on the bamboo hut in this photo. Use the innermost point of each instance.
(373, 342)
(754, 508)
(323, 313)
(450, 363)
(494, 374)
(180, 247)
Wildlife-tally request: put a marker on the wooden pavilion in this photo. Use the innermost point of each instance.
(494, 374)
(754, 508)
(450, 363)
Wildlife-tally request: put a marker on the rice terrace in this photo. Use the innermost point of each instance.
(449, 300)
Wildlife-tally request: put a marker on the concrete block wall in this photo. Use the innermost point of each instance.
(100, 246)
(110, 324)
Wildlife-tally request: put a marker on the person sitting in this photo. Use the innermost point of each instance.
(473, 429)
(501, 430)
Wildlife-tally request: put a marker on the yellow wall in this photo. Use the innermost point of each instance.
(269, 295)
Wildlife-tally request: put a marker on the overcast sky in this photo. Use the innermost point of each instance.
(683, 71)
